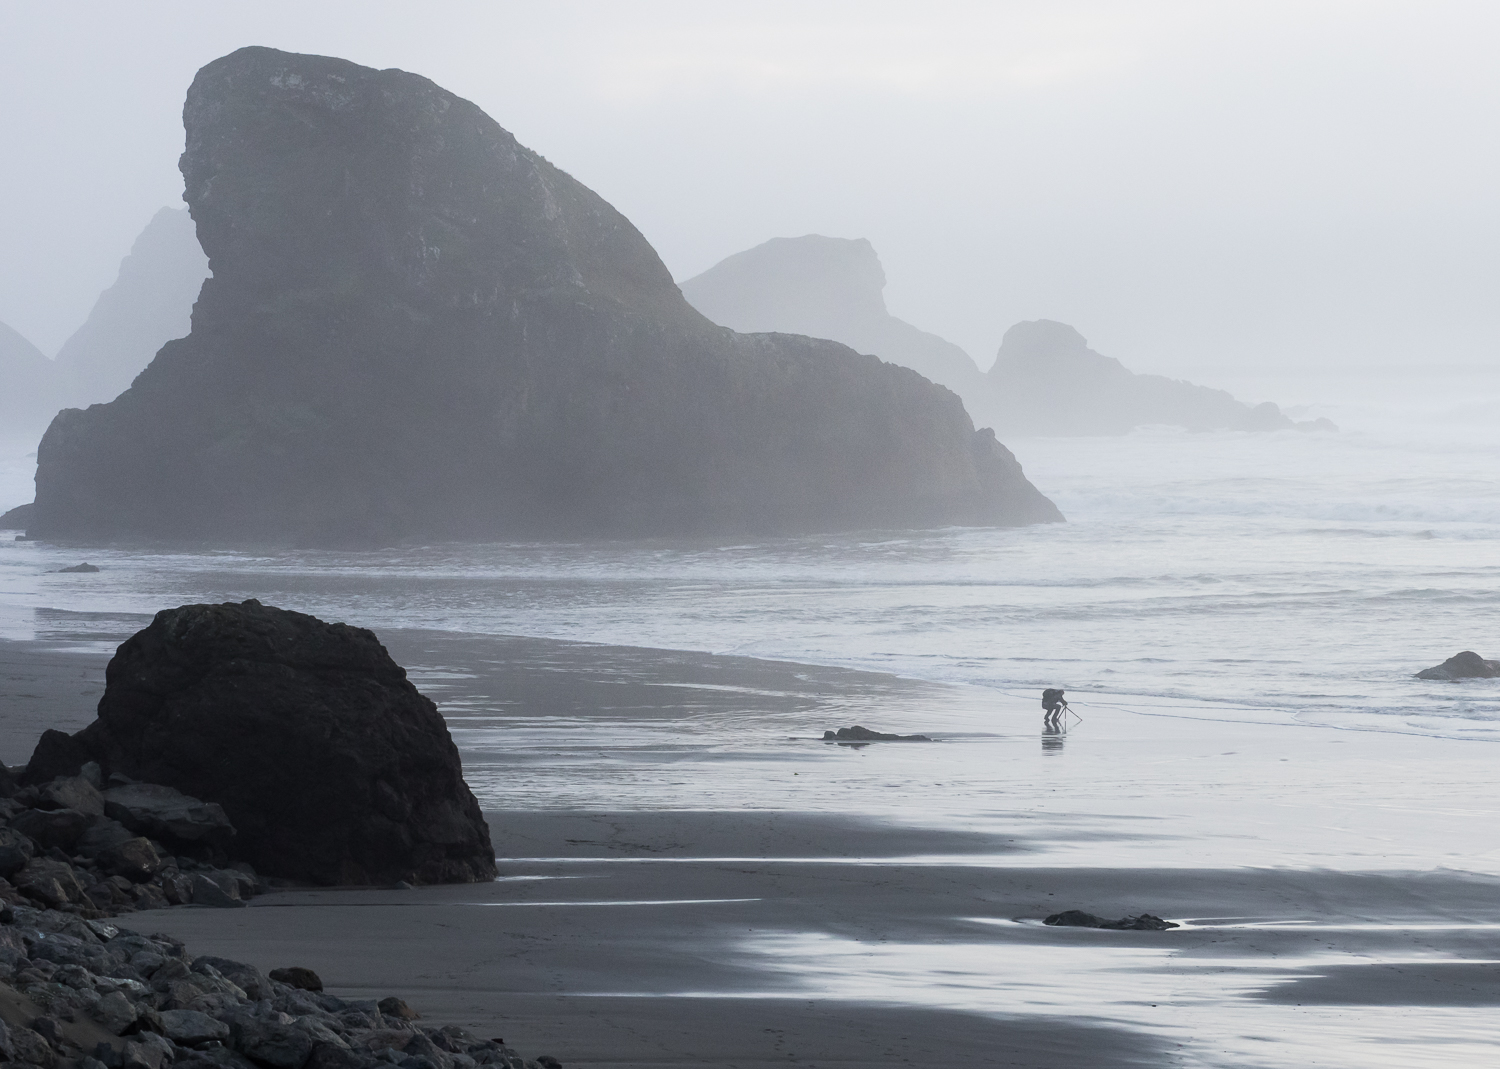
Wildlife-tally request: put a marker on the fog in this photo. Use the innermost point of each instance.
(1202, 190)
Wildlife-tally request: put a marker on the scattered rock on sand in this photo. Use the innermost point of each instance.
(299, 977)
(395, 1007)
(95, 995)
(326, 761)
(1465, 665)
(863, 734)
(1077, 918)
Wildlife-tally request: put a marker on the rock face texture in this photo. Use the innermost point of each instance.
(150, 303)
(826, 288)
(1465, 665)
(417, 328)
(329, 765)
(28, 386)
(1046, 380)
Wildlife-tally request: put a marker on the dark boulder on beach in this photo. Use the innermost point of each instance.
(1465, 665)
(327, 762)
(417, 328)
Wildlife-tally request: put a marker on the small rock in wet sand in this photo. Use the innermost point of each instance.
(297, 976)
(1077, 918)
(863, 734)
(1465, 665)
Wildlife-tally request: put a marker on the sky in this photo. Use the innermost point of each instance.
(1202, 189)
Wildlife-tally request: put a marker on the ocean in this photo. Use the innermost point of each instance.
(1291, 577)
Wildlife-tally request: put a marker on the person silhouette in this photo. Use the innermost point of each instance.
(1053, 704)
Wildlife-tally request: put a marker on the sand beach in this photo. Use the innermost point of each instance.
(690, 876)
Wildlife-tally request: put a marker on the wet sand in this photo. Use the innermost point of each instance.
(846, 906)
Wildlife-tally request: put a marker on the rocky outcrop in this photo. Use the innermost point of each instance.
(1046, 380)
(83, 992)
(417, 328)
(150, 303)
(826, 288)
(327, 762)
(28, 386)
(1465, 665)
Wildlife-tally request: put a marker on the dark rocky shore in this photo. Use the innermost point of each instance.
(86, 993)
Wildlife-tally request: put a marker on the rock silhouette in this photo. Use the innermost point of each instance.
(827, 288)
(417, 328)
(29, 397)
(327, 762)
(149, 304)
(1046, 380)
(1465, 665)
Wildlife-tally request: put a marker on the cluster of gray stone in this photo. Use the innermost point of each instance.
(84, 994)
(97, 849)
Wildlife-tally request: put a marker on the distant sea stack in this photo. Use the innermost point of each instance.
(826, 288)
(150, 303)
(1046, 380)
(417, 328)
(28, 386)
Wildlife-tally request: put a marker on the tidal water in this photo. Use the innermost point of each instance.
(1290, 577)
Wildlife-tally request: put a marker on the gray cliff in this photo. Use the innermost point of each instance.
(28, 386)
(826, 288)
(417, 328)
(150, 303)
(1046, 380)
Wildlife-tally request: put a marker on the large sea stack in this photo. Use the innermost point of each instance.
(417, 328)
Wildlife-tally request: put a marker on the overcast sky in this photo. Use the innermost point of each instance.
(1199, 187)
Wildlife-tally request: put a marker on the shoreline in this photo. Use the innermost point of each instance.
(739, 893)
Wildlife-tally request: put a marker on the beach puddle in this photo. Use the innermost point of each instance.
(1210, 1006)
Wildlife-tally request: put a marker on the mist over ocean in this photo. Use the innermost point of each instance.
(1286, 577)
